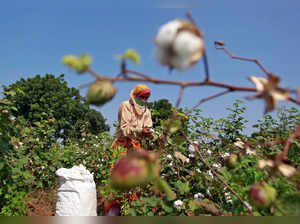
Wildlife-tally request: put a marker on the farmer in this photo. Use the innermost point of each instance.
(134, 119)
(135, 123)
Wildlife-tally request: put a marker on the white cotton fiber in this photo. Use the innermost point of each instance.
(167, 33)
(187, 43)
(162, 56)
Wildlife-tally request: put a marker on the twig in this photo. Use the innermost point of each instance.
(276, 142)
(179, 97)
(244, 59)
(139, 74)
(206, 69)
(145, 78)
(205, 60)
(294, 100)
(210, 207)
(218, 176)
(289, 141)
(209, 98)
(189, 16)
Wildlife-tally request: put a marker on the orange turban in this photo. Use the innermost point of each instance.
(141, 90)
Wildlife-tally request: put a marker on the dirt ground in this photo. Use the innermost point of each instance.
(44, 203)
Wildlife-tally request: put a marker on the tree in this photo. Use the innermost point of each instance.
(160, 110)
(49, 97)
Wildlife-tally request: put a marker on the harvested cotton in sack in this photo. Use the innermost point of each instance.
(76, 194)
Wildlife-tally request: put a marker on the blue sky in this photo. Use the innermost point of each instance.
(34, 35)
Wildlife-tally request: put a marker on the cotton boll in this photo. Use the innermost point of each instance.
(180, 62)
(166, 33)
(163, 56)
(179, 44)
(178, 204)
(187, 43)
(191, 149)
(169, 156)
(188, 49)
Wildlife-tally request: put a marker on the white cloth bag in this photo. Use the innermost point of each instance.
(76, 194)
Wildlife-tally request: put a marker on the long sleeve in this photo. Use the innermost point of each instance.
(127, 124)
(148, 119)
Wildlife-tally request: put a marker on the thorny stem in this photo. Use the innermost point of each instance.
(245, 59)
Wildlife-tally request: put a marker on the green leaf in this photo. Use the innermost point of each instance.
(194, 205)
(132, 55)
(163, 186)
(165, 207)
(175, 125)
(182, 187)
(1, 165)
(85, 59)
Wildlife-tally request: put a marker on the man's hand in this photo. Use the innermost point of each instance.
(162, 137)
(147, 132)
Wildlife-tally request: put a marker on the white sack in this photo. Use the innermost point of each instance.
(76, 194)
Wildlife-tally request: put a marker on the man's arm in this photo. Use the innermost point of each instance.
(125, 119)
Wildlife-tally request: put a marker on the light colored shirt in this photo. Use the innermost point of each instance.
(132, 119)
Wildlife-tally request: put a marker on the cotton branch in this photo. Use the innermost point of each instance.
(217, 175)
(220, 178)
(288, 142)
(242, 58)
(209, 98)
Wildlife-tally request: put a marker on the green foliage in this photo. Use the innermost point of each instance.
(30, 155)
(80, 64)
(49, 97)
(161, 110)
(130, 54)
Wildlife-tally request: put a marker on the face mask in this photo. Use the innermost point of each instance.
(139, 101)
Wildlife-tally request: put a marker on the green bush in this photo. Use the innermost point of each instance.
(30, 155)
